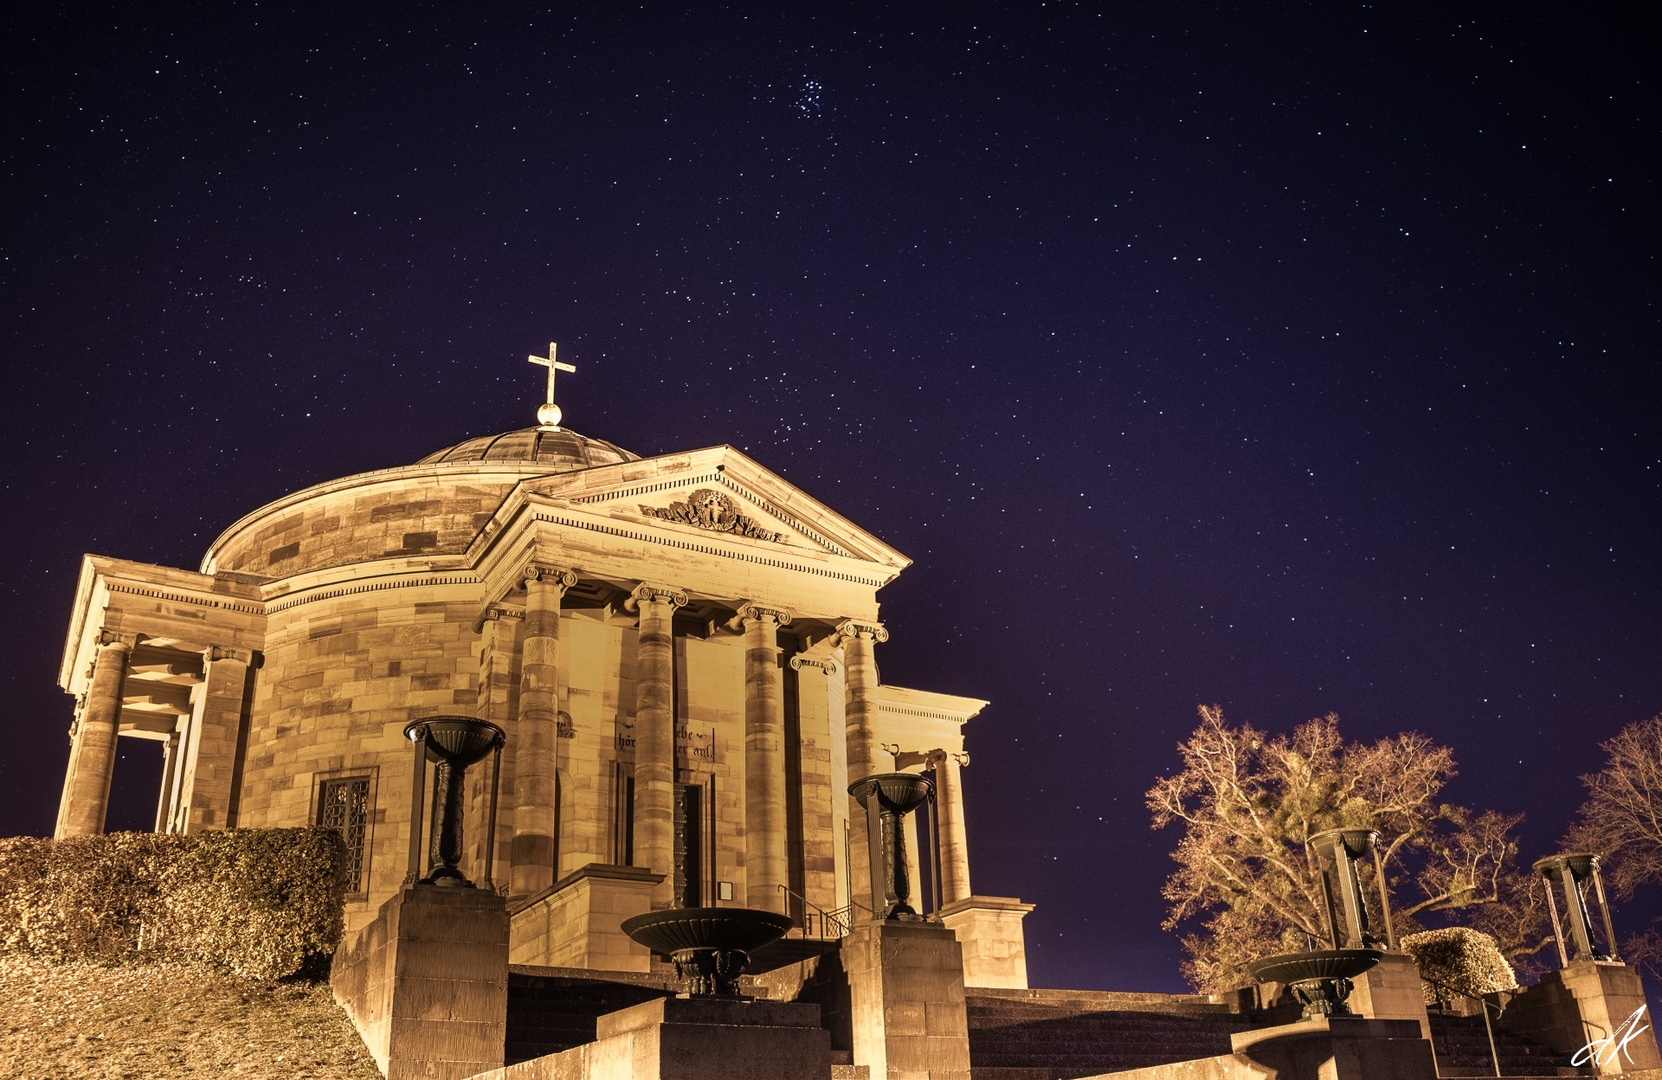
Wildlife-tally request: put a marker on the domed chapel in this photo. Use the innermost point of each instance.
(681, 650)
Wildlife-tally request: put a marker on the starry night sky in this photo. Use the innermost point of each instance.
(1292, 357)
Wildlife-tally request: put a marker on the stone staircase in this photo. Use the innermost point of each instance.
(1014, 1034)
(1061, 1034)
(1462, 1049)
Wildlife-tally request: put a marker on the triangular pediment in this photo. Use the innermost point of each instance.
(717, 492)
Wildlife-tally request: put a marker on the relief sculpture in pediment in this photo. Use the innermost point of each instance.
(712, 510)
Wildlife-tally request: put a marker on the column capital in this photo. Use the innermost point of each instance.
(938, 756)
(107, 639)
(557, 576)
(648, 593)
(750, 610)
(824, 663)
(220, 652)
(852, 628)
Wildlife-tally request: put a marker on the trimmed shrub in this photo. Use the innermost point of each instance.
(1458, 961)
(260, 902)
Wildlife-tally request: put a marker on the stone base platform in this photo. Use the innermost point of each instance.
(682, 1038)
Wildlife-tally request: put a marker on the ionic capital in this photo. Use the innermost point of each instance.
(938, 756)
(853, 628)
(108, 640)
(557, 576)
(752, 610)
(824, 663)
(646, 593)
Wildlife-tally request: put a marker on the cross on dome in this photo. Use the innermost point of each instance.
(548, 413)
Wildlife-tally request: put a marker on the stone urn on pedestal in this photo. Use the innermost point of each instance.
(892, 796)
(452, 744)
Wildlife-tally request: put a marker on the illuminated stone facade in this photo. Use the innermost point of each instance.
(681, 649)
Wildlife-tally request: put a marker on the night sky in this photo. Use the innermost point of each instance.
(1292, 357)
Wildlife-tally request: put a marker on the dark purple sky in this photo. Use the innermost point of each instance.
(1293, 357)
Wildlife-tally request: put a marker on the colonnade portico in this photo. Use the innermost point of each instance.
(649, 820)
(175, 672)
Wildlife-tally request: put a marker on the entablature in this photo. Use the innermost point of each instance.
(176, 609)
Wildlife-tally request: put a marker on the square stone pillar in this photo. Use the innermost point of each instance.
(211, 747)
(577, 922)
(426, 983)
(1586, 1005)
(695, 1038)
(1391, 991)
(995, 951)
(906, 992)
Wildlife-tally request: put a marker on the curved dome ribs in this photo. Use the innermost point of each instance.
(564, 450)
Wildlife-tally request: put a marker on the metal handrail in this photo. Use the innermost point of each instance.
(1483, 999)
(839, 920)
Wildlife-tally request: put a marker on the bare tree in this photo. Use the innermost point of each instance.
(1622, 817)
(1247, 884)
(1622, 821)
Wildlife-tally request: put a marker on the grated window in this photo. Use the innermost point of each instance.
(343, 805)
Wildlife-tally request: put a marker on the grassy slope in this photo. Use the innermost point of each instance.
(63, 1021)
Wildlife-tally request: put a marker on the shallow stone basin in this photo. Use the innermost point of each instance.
(710, 945)
(1320, 980)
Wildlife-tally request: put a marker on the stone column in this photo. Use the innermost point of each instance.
(953, 839)
(498, 689)
(860, 726)
(766, 863)
(536, 761)
(170, 769)
(92, 755)
(69, 767)
(211, 752)
(655, 735)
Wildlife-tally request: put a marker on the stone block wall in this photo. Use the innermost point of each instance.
(342, 677)
(407, 515)
(576, 923)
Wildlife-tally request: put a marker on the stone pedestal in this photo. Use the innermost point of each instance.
(1587, 1003)
(990, 933)
(693, 1039)
(1391, 991)
(577, 922)
(426, 983)
(906, 994)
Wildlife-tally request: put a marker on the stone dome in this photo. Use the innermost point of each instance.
(562, 450)
(432, 507)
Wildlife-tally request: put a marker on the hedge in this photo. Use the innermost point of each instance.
(1458, 960)
(260, 902)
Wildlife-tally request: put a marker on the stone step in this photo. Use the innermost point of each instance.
(554, 1009)
(1462, 1048)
